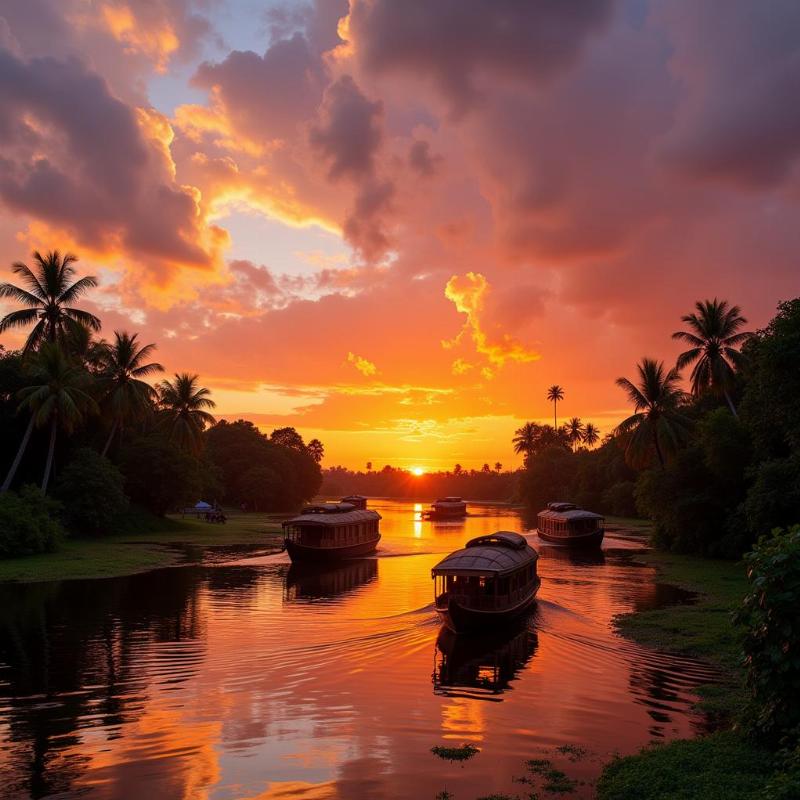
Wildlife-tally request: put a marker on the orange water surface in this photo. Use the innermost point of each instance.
(244, 677)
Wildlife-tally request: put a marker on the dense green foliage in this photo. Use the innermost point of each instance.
(723, 766)
(772, 641)
(91, 491)
(156, 438)
(263, 472)
(28, 523)
(711, 477)
(158, 476)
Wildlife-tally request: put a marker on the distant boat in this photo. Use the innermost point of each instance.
(491, 581)
(565, 523)
(330, 532)
(356, 500)
(446, 508)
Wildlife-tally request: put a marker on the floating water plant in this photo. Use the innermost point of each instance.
(463, 753)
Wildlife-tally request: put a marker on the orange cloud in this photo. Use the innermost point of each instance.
(364, 366)
(468, 293)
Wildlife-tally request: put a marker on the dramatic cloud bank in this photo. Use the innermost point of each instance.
(393, 224)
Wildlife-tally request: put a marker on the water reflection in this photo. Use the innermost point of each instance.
(256, 679)
(319, 581)
(70, 655)
(482, 666)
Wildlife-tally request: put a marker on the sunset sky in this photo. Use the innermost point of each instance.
(391, 224)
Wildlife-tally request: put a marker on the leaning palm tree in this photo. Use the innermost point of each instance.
(184, 405)
(715, 334)
(124, 365)
(57, 396)
(658, 424)
(48, 294)
(574, 430)
(525, 439)
(554, 394)
(591, 434)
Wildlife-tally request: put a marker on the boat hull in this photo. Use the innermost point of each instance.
(304, 553)
(593, 539)
(460, 619)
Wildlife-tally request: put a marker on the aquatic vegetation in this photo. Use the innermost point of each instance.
(572, 751)
(463, 753)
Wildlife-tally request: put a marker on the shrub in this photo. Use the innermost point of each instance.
(619, 500)
(28, 523)
(159, 476)
(772, 638)
(90, 489)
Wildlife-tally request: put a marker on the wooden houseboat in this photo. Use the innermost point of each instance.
(491, 581)
(565, 523)
(446, 508)
(331, 531)
(356, 500)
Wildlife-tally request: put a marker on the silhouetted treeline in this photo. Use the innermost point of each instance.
(490, 485)
(714, 469)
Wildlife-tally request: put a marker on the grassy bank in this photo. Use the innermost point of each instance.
(147, 543)
(723, 765)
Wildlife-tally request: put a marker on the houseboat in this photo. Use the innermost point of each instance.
(565, 523)
(446, 508)
(356, 500)
(331, 531)
(490, 582)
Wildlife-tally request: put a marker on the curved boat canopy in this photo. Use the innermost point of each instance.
(331, 515)
(567, 514)
(495, 554)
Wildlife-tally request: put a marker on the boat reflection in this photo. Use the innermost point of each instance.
(481, 667)
(587, 557)
(318, 581)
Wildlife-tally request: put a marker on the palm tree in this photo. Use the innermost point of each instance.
(574, 430)
(657, 421)
(591, 434)
(316, 450)
(554, 394)
(498, 467)
(184, 405)
(715, 333)
(58, 396)
(48, 295)
(123, 368)
(525, 439)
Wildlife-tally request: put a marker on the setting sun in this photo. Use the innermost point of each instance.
(418, 470)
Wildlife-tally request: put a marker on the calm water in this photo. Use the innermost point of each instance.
(244, 677)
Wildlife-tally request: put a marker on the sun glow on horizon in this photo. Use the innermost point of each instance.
(417, 471)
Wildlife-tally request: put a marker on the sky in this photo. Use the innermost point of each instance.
(393, 225)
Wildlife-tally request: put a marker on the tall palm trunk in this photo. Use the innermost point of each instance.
(658, 447)
(110, 437)
(731, 405)
(50, 453)
(555, 414)
(18, 458)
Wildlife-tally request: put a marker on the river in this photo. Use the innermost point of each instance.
(242, 677)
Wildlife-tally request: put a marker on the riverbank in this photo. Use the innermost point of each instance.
(153, 543)
(722, 765)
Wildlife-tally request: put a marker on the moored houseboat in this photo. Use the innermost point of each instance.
(446, 508)
(490, 582)
(331, 531)
(565, 523)
(356, 500)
